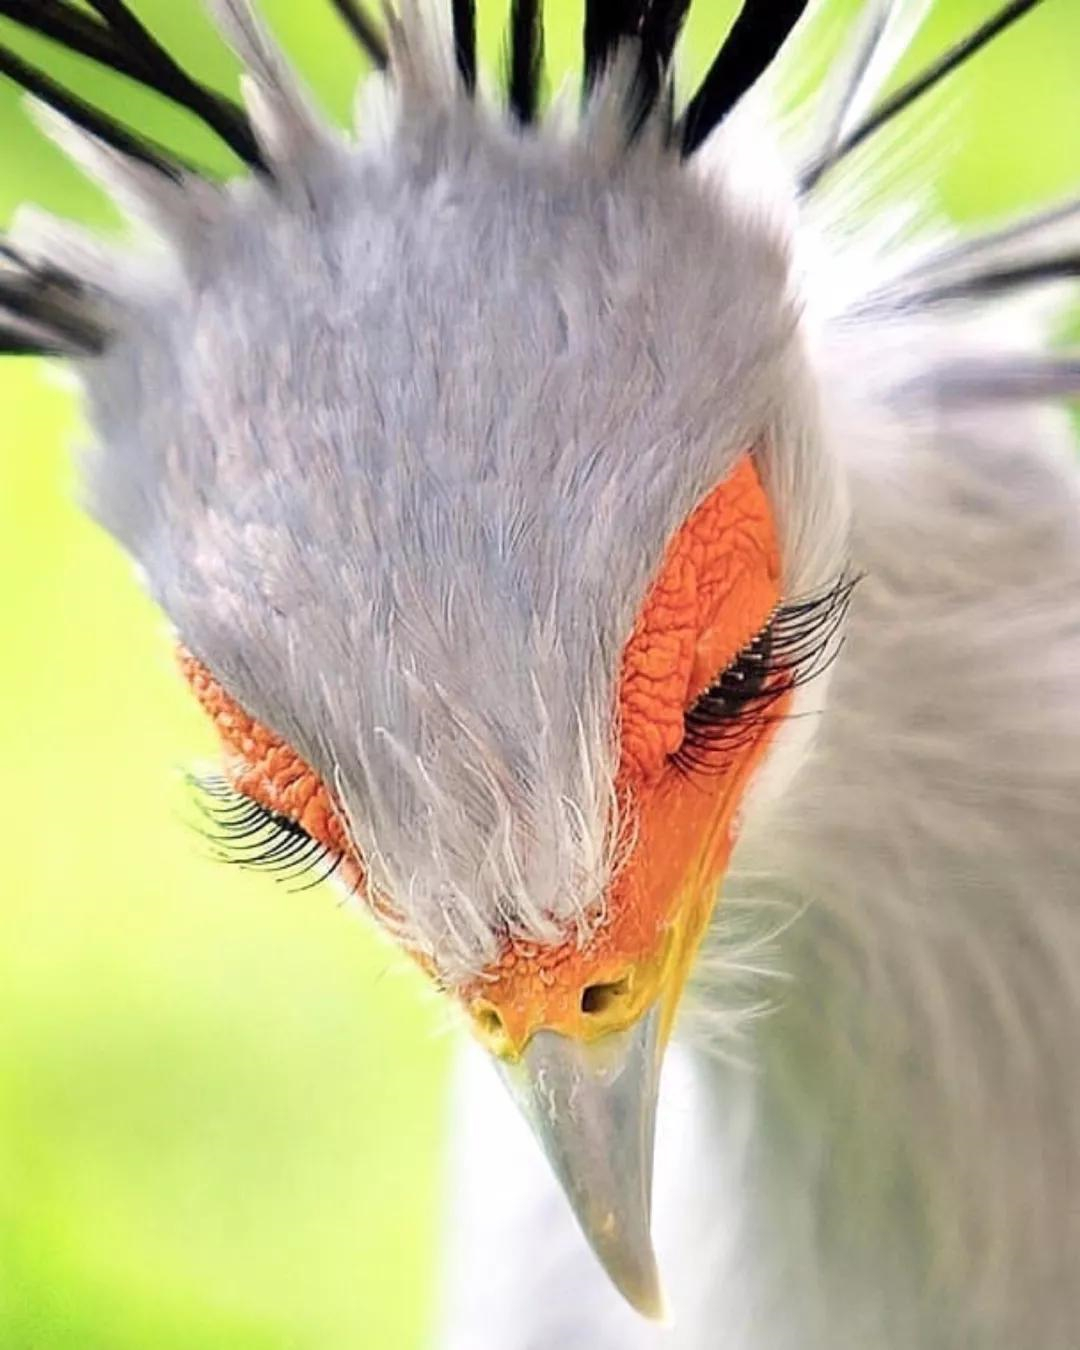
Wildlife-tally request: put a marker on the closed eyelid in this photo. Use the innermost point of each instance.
(717, 586)
(263, 768)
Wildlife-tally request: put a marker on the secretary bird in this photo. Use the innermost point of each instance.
(630, 560)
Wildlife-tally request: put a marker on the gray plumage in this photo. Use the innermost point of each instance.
(397, 434)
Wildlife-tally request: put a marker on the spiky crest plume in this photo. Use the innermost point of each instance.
(48, 314)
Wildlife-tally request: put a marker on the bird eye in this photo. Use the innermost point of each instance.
(727, 715)
(272, 811)
(744, 681)
(798, 643)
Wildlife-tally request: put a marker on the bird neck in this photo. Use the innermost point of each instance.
(915, 1150)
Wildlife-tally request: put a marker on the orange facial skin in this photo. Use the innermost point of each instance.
(716, 589)
(262, 766)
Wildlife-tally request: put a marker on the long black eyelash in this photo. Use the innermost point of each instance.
(251, 836)
(797, 644)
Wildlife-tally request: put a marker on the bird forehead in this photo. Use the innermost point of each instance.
(401, 464)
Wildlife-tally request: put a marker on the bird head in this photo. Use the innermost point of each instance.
(479, 470)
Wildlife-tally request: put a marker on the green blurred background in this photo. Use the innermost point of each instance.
(221, 1103)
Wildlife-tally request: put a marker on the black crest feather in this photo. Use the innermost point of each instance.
(757, 35)
(526, 59)
(11, 344)
(997, 281)
(120, 42)
(106, 128)
(655, 23)
(43, 311)
(915, 88)
(655, 26)
(607, 22)
(364, 31)
(464, 17)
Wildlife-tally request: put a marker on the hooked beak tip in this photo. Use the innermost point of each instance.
(626, 1252)
(642, 1289)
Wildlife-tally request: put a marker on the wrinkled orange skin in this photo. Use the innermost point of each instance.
(717, 587)
(262, 766)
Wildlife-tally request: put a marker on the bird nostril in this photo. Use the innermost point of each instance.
(601, 998)
(490, 1027)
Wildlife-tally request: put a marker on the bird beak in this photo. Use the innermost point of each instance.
(592, 1105)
